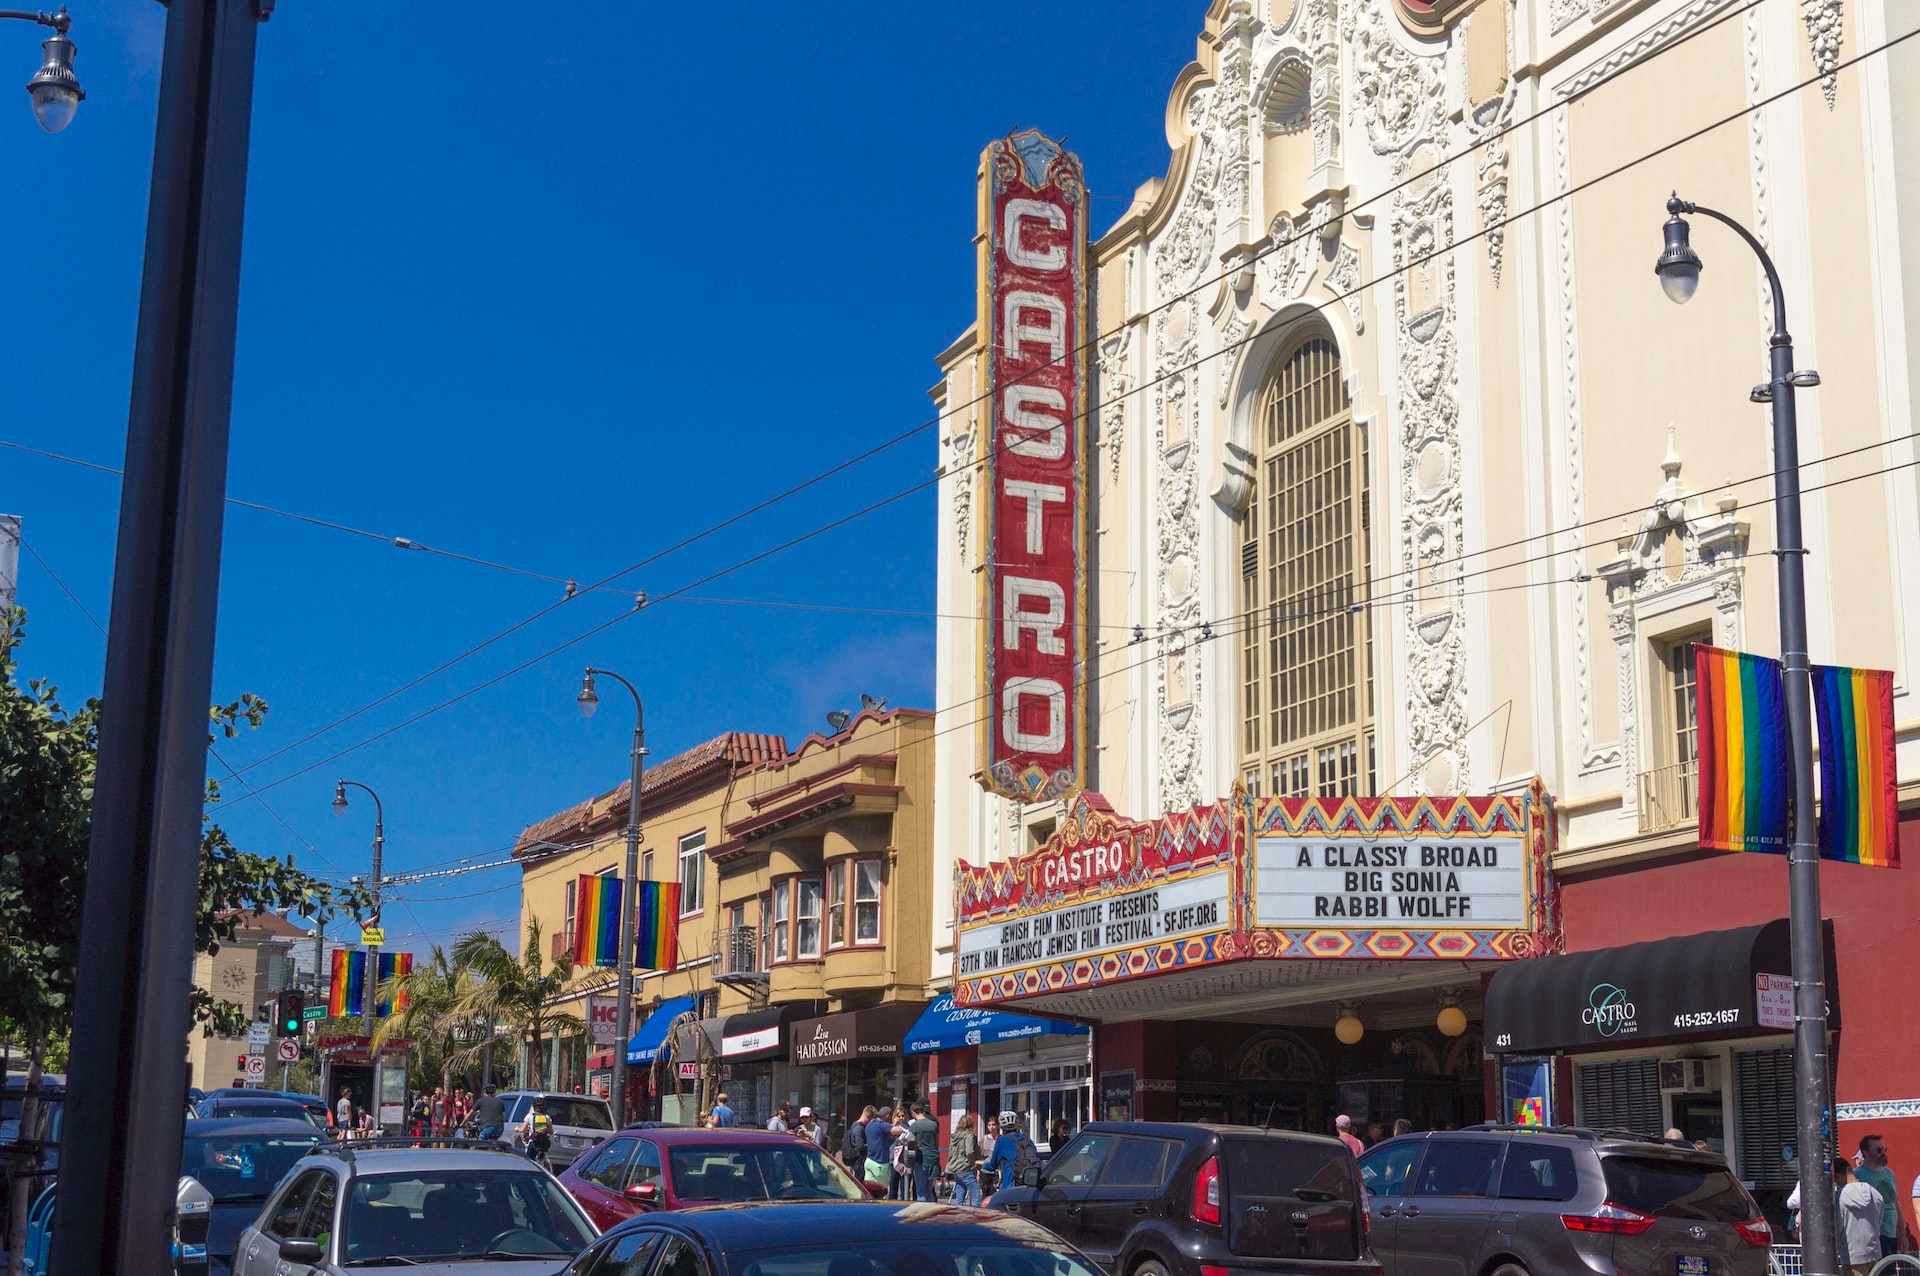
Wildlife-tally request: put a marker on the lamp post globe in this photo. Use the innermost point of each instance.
(1679, 265)
(56, 90)
(588, 699)
(340, 798)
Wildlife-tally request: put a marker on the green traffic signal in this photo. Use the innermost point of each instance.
(293, 1007)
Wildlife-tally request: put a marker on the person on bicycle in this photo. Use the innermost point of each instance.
(537, 1132)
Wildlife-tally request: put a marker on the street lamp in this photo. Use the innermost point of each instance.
(1679, 271)
(373, 950)
(589, 700)
(56, 91)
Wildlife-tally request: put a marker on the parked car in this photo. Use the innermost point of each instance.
(1519, 1200)
(671, 1167)
(240, 1161)
(43, 1139)
(1151, 1198)
(271, 1107)
(356, 1209)
(800, 1239)
(579, 1122)
(311, 1102)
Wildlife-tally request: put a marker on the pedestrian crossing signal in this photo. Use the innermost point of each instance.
(293, 1008)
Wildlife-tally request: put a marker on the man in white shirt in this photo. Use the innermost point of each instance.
(1856, 1221)
(779, 1123)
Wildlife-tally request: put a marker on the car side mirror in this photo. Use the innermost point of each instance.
(1033, 1177)
(644, 1193)
(300, 1250)
(876, 1190)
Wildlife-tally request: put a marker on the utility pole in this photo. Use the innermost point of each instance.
(120, 1148)
(9, 559)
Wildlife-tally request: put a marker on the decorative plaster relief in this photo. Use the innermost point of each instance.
(960, 464)
(1115, 383)
(1825, 31)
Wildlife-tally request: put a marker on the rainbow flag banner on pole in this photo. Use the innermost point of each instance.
(346, 995)
(596, 921)
(392, 966)
(1745, 766)
(656, 938)
(1859, 814)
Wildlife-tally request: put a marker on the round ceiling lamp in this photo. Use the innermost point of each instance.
(1348, 1028)
(1452, 1021)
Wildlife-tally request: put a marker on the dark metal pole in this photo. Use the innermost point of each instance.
(623, 997)
(120, 1149)
(1810, 1069)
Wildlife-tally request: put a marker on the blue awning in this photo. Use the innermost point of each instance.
(943, 1026)
(651, 1037)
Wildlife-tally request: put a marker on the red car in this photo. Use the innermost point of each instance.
(639, 1170)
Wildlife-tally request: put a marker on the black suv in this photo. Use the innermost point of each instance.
(1513, 1200)
(1151, 1198)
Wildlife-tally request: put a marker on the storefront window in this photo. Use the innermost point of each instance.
(836, 904)
(806, 930)
(782, 916)
(866, 901)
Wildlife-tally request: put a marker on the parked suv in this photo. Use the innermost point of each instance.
(1533, 1200)
(1151, 1198)
(579, 1122)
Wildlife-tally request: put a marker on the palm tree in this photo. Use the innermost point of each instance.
(517, 996)
(434, 1013)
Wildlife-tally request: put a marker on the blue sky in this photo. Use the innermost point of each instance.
(556, 294)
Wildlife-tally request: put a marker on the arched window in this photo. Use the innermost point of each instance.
(1307, 669)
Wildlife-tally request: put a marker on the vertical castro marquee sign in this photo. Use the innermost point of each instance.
(1033, 245)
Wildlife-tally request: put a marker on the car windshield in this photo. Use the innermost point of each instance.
(1675, 1188)
(582, 1114)
(770, 1171)
(453, 1214)
(242, 1167)
(276, 1111)
(923, 1255)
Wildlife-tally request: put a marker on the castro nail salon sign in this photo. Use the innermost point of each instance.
(1033, 599)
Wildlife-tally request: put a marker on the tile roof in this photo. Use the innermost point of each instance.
(272, 923)
(735, 749)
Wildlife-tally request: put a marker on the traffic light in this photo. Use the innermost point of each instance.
(293, 1008)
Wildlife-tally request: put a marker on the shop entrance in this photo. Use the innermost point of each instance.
(1701, 1118)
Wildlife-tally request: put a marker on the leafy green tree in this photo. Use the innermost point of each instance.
(440, 994)
(514, 996)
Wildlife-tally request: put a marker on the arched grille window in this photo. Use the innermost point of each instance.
(1307, 669)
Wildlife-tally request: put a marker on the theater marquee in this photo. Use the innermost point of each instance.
(1033, 598)
(1244, 880)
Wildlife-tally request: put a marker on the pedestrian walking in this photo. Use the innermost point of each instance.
(879, 1136)
(963, 1161)
(343, 1113)
(722, 1114)
(853, 1146)
(1873, 1170)
(1343, 1126)
(1856, 1216)
(779, 1125)
(903, 1155)
(926, 1138)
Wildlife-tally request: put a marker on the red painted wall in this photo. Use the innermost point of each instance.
(1876, 926)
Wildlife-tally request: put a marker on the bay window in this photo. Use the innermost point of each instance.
(837, 904)
(806, 920)
(782, 917)
(866, 901)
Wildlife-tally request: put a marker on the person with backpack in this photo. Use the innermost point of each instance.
(926, 1137)
(853, 1147)
(537, 1133)
(903, 1158)
(1014, 1157)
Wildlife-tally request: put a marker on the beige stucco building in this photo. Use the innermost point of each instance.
(244, 973)
(1405, 478)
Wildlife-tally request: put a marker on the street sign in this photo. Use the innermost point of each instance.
(257, 1034)
(256, 1066)
(372, 936)
(314, 1013)
(289, 1050)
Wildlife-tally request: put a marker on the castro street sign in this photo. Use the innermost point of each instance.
(1033, 597)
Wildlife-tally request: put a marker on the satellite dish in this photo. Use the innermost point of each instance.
(839, 719)
(872, 705)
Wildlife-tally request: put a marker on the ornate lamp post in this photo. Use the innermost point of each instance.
(589, 700)
(56, 92)
(373, 950)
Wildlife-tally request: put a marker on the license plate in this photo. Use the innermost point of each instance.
(1691, 1265)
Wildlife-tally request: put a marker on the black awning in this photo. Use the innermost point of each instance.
(1685, 988)
(760, 1034)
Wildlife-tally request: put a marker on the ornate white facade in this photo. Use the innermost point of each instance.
(1564, 467)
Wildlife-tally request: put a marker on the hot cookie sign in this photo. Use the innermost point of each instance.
(1033, 595)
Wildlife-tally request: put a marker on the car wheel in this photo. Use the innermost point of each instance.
(1149, 1267)
(1509, 1269)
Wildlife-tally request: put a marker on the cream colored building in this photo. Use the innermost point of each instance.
(1404, 475)
(241, 974)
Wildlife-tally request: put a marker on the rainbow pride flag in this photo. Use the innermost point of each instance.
(392, 966)
(1745, 768)
(596, 921)
(347, 994)
(656, 941)
(1859, 815)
